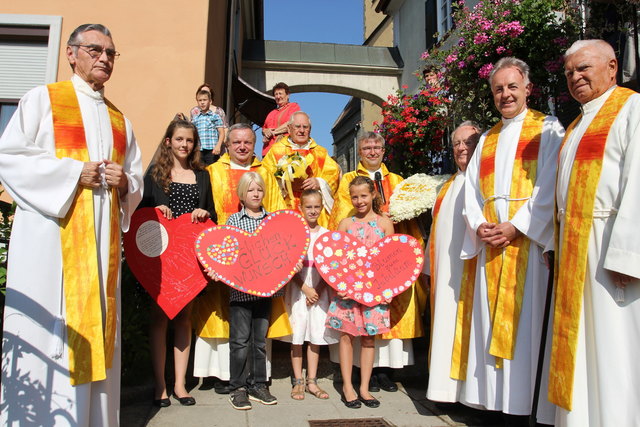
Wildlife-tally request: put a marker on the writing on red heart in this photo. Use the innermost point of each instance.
(368, 274)
(257, 263)
(160, 254)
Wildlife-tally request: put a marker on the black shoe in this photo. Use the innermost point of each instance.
(222, 387)
(260, 393)
(385, 383)
(369, 403)
(162, 403)
(374, 387)
(185, 401)
(351, 404)
(239, 399)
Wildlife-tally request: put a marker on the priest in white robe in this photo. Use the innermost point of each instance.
(599, 385)
(443, 253)
(509, 189)
(48, 378)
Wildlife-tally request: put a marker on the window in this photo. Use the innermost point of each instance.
(6, 111)
(438, 19)
(445, 20)
(431, 22)
(29, 51)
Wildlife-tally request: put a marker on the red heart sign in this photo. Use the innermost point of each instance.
(368, 275)
(160, 254)
(259, 263)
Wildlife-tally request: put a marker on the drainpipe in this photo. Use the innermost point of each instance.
(232, 41)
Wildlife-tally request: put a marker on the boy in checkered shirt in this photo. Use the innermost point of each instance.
(210, 127)
(249, 314)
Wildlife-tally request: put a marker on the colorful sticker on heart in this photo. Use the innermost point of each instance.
(226, 253)
(368, 275)
(257, 263)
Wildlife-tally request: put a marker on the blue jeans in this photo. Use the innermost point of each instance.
(248, 325)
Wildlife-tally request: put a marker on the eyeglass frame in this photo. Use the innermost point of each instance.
(375, 148)
(467, 144)
(111, 53)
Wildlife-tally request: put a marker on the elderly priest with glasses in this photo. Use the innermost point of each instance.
(69, 159)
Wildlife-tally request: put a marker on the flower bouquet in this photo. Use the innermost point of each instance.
(414, 196)
(290, 167)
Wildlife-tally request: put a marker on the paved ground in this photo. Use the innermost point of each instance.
(406, 407)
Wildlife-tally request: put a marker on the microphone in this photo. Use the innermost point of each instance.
(378, 182)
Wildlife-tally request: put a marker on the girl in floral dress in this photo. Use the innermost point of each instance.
(349, 317)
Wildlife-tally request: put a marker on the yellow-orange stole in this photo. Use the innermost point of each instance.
(571, 265)
(432, 240)
(506, 269)
(460, 350)
(91, 344)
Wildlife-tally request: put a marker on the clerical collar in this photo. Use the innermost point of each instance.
(83, 87)
(235, 165)
(519, 118)
(299, 147)
(595, 104)
(372, 175)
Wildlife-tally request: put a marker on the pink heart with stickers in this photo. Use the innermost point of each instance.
(257, 263)
(368, 274)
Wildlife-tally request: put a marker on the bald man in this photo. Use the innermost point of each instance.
(594, 372)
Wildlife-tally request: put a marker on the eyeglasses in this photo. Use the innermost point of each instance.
(375, 148)
(95, 51)
(305, 127)
(467, 144)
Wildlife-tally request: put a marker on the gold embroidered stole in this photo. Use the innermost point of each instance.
(571, 265)
(91, 345)
(506, 268)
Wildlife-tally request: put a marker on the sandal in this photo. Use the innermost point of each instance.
(297, 392)
(319, 393)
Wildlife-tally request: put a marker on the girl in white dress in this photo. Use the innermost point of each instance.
(307, 301)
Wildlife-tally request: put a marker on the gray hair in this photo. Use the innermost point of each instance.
(508, 62)
(290, 122)
(370, 135)
(600, 45)
(467, 123)
(74, 38)
(239, 126)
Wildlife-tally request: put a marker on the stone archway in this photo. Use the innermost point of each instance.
(365, 72)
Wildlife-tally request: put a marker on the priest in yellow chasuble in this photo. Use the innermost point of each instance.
(394, 349)
(508, 206)
(211, 354)
(69, 159)
(299, 164)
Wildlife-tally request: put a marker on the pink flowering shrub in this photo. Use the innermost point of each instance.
(536, 31)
